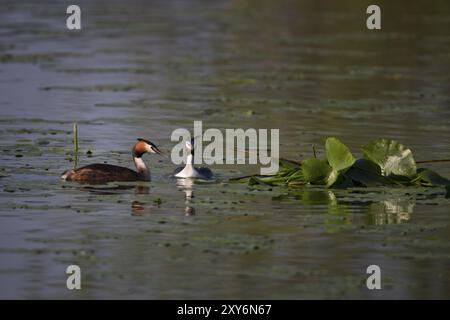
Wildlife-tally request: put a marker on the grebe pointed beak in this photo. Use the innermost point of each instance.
(155, 149)
(162, 154)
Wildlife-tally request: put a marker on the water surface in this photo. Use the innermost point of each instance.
(143, 69)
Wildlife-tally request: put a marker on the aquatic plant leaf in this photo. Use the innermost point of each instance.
(367, 166)
(391, 156)
(342, 181)
(338, 154)
(368, 174)
(296, 183)
(402, 180)
(316, 171)
(288, 164)
(431, 178)
(332, 177)
(387, 163)
(254, 180)
(270, 181)
(296, 179)
(286, 170)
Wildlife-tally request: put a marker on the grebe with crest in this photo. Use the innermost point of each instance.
(189, 171)
(102, 173)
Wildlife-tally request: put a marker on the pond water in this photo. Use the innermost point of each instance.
(140, 69)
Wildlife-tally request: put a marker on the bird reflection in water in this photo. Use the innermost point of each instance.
(106, 189)
(187, 186)
(139, 208)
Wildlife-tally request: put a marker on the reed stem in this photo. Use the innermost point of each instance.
(433, 161)
(75, 145)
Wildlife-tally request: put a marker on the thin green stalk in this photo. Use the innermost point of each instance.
(433, 161)
(75, 145)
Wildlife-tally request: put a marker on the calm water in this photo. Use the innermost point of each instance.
(144, 69)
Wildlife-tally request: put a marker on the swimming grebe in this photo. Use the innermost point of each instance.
(189, 171)
(102, 173)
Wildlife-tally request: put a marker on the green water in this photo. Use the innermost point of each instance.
(309, 68)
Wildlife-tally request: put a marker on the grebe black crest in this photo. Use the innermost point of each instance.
(102, 173)
(189, 171)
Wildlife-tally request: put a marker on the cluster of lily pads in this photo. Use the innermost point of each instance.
(385, 163)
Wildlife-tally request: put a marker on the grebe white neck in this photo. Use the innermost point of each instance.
(141, 167)
(189, 159)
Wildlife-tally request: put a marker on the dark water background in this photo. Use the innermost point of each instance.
(145, 68)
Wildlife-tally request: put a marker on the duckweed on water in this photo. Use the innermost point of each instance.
(157, 201)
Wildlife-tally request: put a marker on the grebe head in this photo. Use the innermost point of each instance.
(145, 146)
(190, 146)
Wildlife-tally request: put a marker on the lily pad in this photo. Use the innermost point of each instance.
(386, 163)
(430, 178)
(391, 156)
(332, 177)
(316, 171)
(338, 154)
(367, 173)
(342, 181)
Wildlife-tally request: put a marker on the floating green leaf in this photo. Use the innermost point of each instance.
(368, 174)
(316, 171)
(338, 154)
(391, 156)
(287, 167)
(332, 177)
(343, 181)
(386, 163)
(431, 178)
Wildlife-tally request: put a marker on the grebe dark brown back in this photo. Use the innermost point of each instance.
(102, 173)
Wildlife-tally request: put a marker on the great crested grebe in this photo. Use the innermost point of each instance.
(189, 171)
(102, 173)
